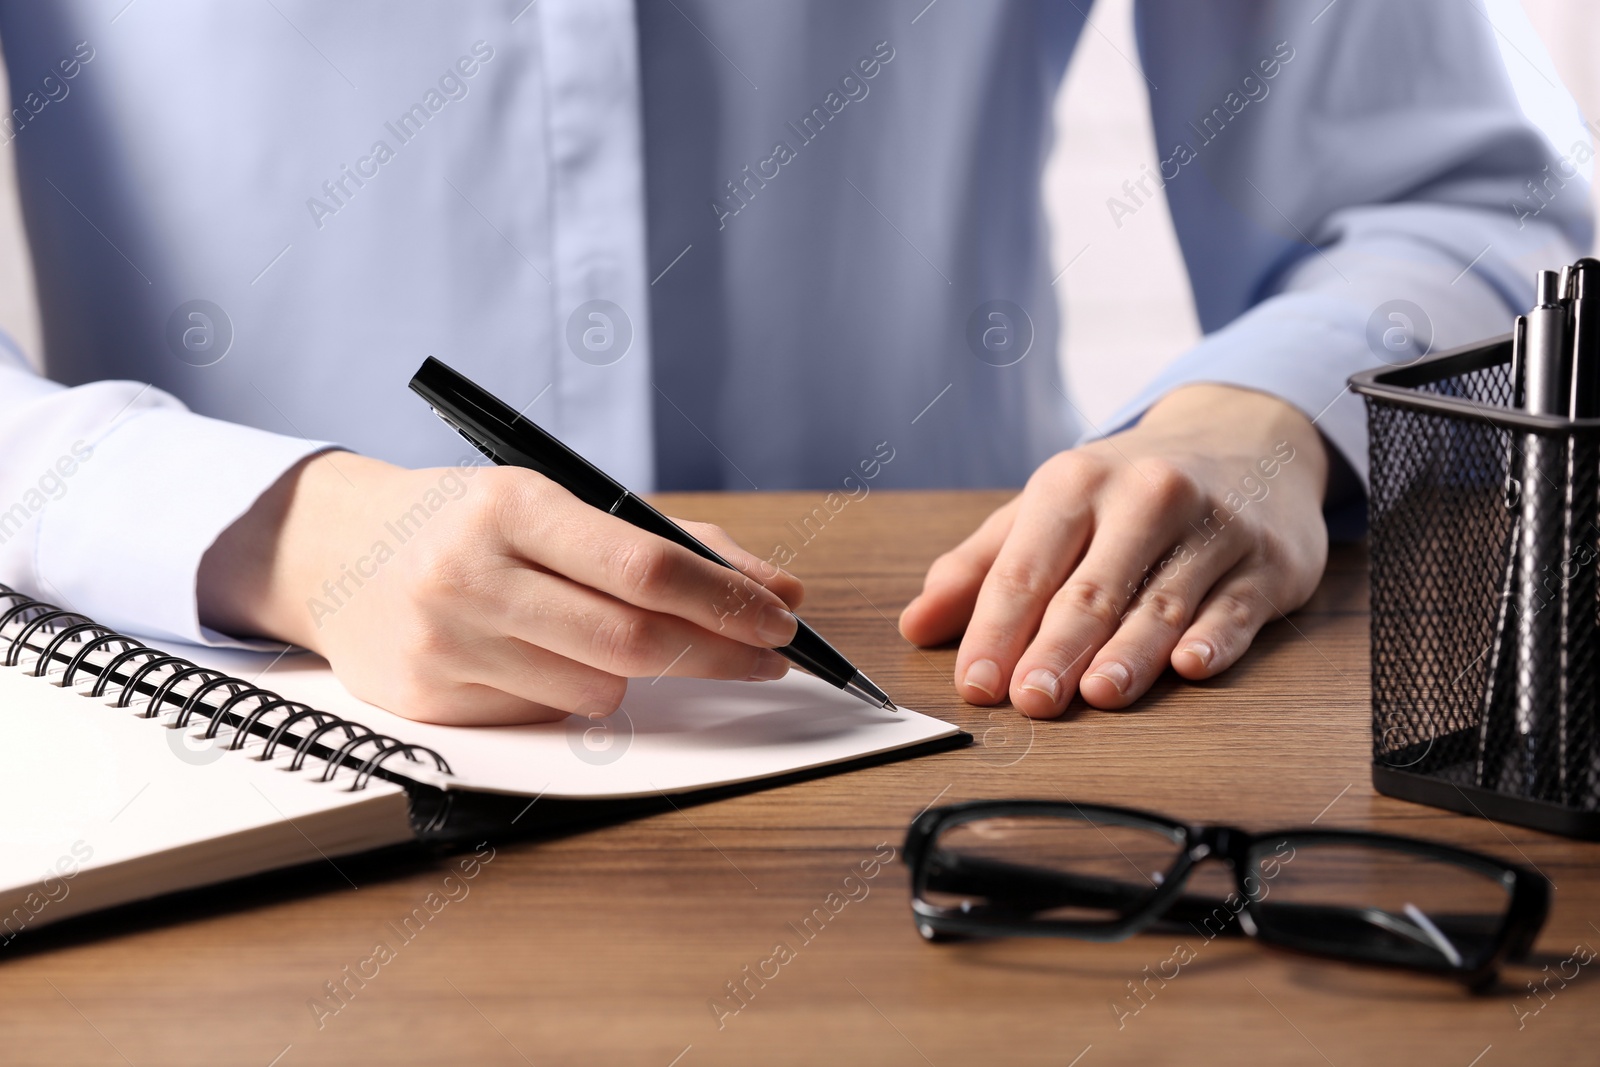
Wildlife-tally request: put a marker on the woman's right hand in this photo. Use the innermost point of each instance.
(486, 595)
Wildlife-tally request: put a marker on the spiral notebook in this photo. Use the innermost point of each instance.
(128, 772)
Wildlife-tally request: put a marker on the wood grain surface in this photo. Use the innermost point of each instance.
(614, 946)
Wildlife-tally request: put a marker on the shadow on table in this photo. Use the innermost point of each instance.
(305, 881)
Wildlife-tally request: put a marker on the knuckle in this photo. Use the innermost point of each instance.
(1212, 522)
(644, 569)
(1234, 609)
(1271, 555)
(1084, 596)
(437, 569)
(1165, 607)
(626, 641)
(1065, 469)
(1166, 484)
(1018, 578)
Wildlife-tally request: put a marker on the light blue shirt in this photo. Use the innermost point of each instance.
(710, 244)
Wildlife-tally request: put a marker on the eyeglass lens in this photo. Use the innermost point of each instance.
(1356, 899)
(1046, 867)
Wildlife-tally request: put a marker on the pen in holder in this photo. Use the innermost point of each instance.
(1484, 602)
(1539, 692)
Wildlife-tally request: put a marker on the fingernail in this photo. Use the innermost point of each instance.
(1200, 650)
(775, 626)
(1115, 673)
(769, 667)
(984, 676)
(1043, 681)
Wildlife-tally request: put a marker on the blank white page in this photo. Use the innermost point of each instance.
(671, 736)
(108, 795)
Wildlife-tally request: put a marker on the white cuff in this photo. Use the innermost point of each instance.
(123, 545)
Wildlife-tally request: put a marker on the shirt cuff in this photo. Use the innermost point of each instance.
(124, 545)
(1302, 348)
(1299, 347)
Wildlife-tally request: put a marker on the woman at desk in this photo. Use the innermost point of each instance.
(713, 245)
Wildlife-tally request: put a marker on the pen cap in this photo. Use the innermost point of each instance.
(1583, 395)
(1586, 278)
(1545, 359)
(508, 437)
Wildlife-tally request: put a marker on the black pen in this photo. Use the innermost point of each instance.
(1583, 397)
(507, 438)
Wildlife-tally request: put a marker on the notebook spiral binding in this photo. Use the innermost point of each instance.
(134, 668)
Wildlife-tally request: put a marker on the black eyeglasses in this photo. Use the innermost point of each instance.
(1041, 868)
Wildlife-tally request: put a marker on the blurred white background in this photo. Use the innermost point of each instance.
(1111, 345)
(1113, 342)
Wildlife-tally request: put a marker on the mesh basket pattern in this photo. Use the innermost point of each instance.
(1448, 517)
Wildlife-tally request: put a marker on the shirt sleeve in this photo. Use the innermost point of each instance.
(1329, 167)
(111, 492)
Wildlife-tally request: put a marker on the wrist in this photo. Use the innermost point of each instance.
(1229, 420)
(255, 578)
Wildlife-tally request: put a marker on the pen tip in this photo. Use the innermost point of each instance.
(862, 688)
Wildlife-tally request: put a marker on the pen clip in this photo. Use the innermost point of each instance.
(1513, 487)
(465, 436)
(1519, 338)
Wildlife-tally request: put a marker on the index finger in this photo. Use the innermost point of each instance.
(603, 552)
(764, 571)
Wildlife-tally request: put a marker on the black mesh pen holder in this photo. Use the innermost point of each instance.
(1483, 533)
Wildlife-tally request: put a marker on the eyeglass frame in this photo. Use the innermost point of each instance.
(1527, 903)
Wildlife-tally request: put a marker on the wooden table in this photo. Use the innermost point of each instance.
(610, 947)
